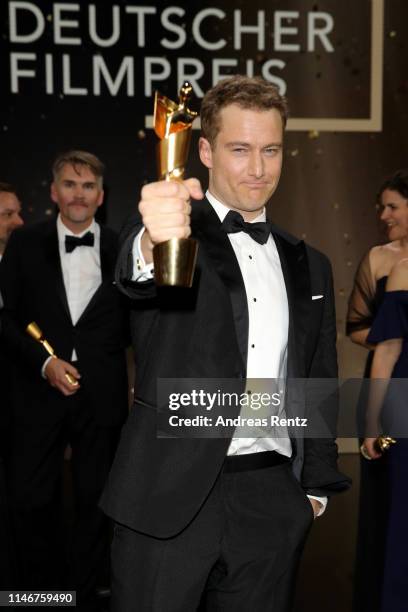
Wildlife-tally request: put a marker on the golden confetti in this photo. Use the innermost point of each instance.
(304, 236)
(141, 134)
(48, 212)
(294, 152)
(392, 34)
(349, 263)
(313, 134)
(342, 292)
(336, 206)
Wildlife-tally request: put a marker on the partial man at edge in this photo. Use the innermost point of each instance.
(10, 219)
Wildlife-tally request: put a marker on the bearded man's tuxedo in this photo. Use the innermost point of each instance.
(162, 487)
(44, 420)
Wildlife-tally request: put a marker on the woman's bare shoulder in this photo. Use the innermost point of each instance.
(398, 278)
(382, 258)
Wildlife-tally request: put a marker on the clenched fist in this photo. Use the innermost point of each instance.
(165, 208)
(56, 371)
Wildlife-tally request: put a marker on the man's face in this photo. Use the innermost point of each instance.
(77, 195)
(246, 159)
(10, 219)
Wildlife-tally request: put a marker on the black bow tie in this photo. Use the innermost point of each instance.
(72, 242)
(234, 223)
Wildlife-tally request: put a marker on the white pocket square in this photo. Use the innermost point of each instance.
(317, 297)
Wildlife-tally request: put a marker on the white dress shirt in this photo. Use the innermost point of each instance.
(81, 272)
(268, 313)
(81, 269)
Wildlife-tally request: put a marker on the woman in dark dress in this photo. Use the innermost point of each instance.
(387, 412)
(365, 300)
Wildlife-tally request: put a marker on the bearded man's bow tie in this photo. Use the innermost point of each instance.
(72, 242)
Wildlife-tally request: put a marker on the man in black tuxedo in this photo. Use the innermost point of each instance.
(222, 521)
(59, 274)
(10, 219)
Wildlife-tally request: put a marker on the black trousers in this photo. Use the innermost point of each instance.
(46, 558)
(241, 552)
(7, 561)
(371, 534)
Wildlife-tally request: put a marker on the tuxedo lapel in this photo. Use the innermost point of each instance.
(54, 265)
(108, 253)
(295, 270)
(206, 226)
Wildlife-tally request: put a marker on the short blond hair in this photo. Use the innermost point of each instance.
(246, 92)
(79, 158)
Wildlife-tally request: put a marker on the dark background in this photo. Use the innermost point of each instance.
(329, 181)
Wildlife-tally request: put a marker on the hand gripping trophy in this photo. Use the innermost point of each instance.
(36, 333)
(174, 259)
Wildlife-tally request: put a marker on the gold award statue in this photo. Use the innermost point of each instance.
(35, 332)
(383, 443)
(174, 260)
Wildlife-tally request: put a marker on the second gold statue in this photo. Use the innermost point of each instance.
(174, 260)
(35, 332)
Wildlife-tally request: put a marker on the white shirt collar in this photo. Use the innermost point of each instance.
(223, 210)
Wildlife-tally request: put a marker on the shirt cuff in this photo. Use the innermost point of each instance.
(141, 270)
(322, 500)
(44, 366)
